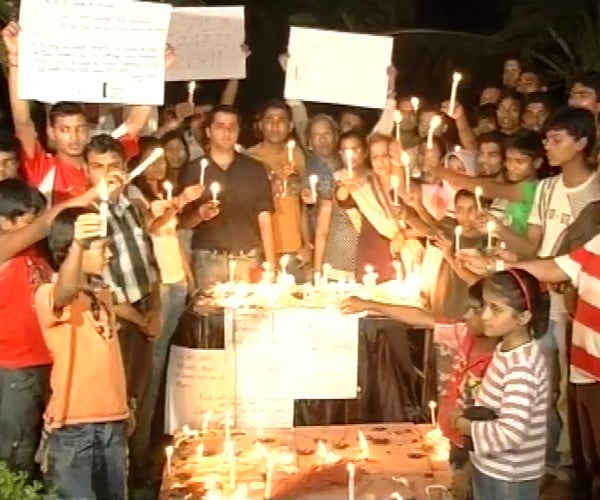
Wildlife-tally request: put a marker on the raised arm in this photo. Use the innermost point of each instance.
(465, 133)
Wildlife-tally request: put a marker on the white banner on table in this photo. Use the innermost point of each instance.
(208, 43)
(102, 51)
(338, 68)
(198, 380)
(322, 351)
(248, 327)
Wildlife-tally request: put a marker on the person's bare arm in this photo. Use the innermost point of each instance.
(489, 188)
(412, 316)
(265, 227)
(545, 270)
(385, 124)
(70, 276)
(465, 275)
(323, 225)
(230, 92)
(465, 133)
(526, 247)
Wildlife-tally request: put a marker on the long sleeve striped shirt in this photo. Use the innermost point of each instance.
(515, 386)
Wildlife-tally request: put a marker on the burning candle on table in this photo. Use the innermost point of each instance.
(456, 78)
(434, 123)
(228, 422)
(349, 155)
(203, 166)
(432, 407)
(491, 227)
(370, 276)
(313, 180)
(168, 187)
(457, 235)
(169, 453)
(326, 272)
(478, 195)
(215, 189)
(351, 478)
(232, 265)
(103, 207)
(205, 422)
(395, 182)
(397, 122)
(191, 90)
(283, 263)
(414, 102)
(405, 159)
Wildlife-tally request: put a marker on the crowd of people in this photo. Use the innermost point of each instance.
(497, 207)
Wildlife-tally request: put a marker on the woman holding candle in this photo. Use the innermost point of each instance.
(177, 154)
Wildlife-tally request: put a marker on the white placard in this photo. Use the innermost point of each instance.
(198, 380)
(338, 68)
(208, 43)
(102, 51)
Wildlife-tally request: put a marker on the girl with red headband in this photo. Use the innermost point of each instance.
(508, 454)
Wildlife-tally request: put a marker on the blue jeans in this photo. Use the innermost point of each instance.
(23, 394)
(88, 461)
(173, 299)
(489, 488)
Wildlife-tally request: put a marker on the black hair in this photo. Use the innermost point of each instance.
(589, 79)
(528, 143)
(277, 104)
(464, 193)
(512, 94)
(17, 198)
(8, 143)
(354, 134)
(475, 292)
(62, 234)
(523, 293)
(540, 98)
(486, 112)
(104, 143)
(64, 108)
(147, 144)
(223, 108)
(577, 122)
(493, 137)
(176, 135)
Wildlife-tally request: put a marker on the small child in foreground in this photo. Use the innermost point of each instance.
(87, 413)
(509, 452)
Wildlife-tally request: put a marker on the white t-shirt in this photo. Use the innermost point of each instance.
(555, 207)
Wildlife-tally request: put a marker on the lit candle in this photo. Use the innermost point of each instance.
(169, 452)
(313, 180)
(349, 155)
(457, 234)
(326, 272)
(228, 422)
(283, 263)
(405, 160)
(491, 227)
(457, 149)
(191, 90)
(155, 155)
(397, 122)
(205, 422)
(103, 207)
(317, 279)
(435, 122)
(456, 78)
(351, 476)
(269, 480)
(432, 407)
(203, 165)
(478, 195)
(395, 182)
(168, 187)
(291, 145)
(215, 189)
(414, 102)
(232, 265)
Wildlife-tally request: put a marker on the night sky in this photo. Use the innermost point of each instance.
(475, 16)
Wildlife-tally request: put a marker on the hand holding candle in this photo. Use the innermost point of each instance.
(435, 122)
(456, 78)
(432, 407)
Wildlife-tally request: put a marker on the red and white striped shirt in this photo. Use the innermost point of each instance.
(515, 386)
(583, 268)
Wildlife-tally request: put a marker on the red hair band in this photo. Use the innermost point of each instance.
(522, 286)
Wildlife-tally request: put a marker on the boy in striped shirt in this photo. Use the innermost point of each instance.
(509, 451)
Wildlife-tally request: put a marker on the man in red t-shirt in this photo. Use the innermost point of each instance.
(62, 175)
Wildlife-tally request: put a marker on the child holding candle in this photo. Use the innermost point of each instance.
(509, 452)
(87, 413)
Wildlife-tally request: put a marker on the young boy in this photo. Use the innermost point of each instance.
(24, 359)
(87, 413)
(9, 162)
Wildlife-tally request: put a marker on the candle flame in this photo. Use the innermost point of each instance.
(435, 122)
(369, 269)
(405, 158)
(396, 496)
(491, 226)
(456, 77)
(215, 188)
(458, 230)
(397, 116)
(313, 179)
(351, 468)
(349, 154)
(394, 181)
(457, 149)
(167, 186)
(203, 163)
(284, 261)
(364, 445)
(478, 191)
(191, 87)
(414, 102)
(291, 144)
(433, 404)
(169, 451)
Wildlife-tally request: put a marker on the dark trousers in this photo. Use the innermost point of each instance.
(23, 394)
(584, 432)
(88, 461)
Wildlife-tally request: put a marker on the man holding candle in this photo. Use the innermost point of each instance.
(239, 226)
(286, 163)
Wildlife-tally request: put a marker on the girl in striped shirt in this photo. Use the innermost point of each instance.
(509, 452)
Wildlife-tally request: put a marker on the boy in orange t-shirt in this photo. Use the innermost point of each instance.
(87, 413)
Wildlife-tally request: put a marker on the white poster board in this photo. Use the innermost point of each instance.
(198, 381)
(101, 51)
(208, 43)
(338, 68)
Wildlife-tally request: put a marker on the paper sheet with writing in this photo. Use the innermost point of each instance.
(208, 43)
(103, 51)
(338, 68)
(198, 380)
